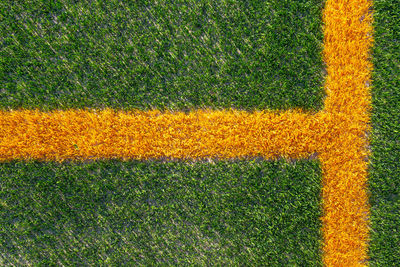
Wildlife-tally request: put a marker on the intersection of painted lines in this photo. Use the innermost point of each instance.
(337, 133)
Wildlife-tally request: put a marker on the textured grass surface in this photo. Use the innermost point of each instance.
(138, 54)
(110, 212)
(245, 55)
(385, 168)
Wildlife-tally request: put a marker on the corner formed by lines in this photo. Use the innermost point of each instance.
(337, 134)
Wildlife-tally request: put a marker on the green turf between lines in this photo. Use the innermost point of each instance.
(384, 181)
(138, 54)
(110, 212)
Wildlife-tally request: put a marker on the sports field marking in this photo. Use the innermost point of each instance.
(72, 134)
(337, 133)
(347, 41)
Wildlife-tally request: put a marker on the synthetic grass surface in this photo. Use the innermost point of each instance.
(385, 119)
(128, 56)
(112, 212)
(181, 55)
(384, 180)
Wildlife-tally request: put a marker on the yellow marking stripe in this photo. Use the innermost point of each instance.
(337, 133)
(77, 134)
(347, 40)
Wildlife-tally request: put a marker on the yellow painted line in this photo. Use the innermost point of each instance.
(337, 133)
(347, 42)
(78, 134)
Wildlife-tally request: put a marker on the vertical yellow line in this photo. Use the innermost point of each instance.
(347, 40)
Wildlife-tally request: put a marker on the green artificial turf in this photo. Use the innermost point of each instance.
(142, 54)
(225, 213)
(190, 54)
(176, 55)
(385, 166)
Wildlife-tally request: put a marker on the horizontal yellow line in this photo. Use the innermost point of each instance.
(80, 134)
